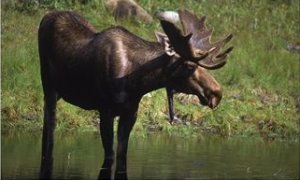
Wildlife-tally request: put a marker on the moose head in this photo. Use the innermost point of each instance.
(197, 53)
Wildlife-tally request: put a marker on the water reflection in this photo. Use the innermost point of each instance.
(105, 174)
(46, 169)
(80, 156)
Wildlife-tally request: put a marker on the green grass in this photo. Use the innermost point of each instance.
(261, 80)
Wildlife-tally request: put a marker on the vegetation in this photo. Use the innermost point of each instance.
(261, 81)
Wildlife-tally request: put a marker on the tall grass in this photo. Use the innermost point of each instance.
(261, 80)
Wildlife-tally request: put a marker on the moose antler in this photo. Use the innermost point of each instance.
(201, 41)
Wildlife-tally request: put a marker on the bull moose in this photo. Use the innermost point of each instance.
(111, 70)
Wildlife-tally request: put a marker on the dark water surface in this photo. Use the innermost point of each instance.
(80, 155)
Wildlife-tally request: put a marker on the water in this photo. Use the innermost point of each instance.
(80, 155)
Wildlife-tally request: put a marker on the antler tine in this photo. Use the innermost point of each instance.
(190, 22)
(215, 62)
(227, 51)
(223, 41)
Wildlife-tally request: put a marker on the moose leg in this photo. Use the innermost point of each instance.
(170, 93)
(50, 100)
(126, 123)
(107, 137)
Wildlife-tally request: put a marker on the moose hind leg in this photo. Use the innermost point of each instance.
(107, 137)
(50, 99)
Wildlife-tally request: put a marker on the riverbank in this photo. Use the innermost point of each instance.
(261, 80)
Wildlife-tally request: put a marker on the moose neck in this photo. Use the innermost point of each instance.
(157, 70)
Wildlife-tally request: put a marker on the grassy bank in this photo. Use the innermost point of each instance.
(261, 81)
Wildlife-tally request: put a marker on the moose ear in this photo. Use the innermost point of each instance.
(164, 40)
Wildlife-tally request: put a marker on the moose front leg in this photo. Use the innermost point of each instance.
(107, 137)
(126, 123)
(170, 93)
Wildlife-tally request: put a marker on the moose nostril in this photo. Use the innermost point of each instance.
(214, 101)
